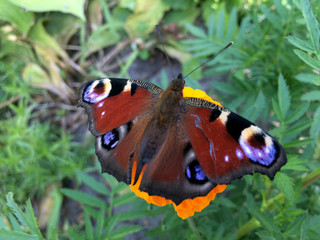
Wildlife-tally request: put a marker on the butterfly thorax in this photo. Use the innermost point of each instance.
(169, 102)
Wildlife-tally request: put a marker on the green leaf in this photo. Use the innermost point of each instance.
(195, 31)
(306, 77)
(136, 214)
(315, 225)
(88, 224)
(286, 186)
(3, 225)
(294, 227)
(20, 50)
(316, 81)
(224, 87)
(298, 112)
(220, 25)
(295, 164)
(276, 109)
(283, 96)
(298, 127)
(264, 218)
(180, 4)
(112, 222)
(53, 224)
(14, 223)
(311, 96)
(83, 197)
(298, 143)
(265, 235)
(21, 19)
(100, 222)
(146, 15)
(182, 17)
(92, 183)
(74, 7)
(32, 220)
(299, 43)
(27, 219)
(124, 199)
(16, 210)
(63, 27)
(129, 61)
(315, 127)
(188, 66)
(253, 112)
(34, 75)
(211, 26)
(100, 39)
(232, 25)
(39, 35)
(307, 59)
(123, 231)
(272, 18)
(14, 235)
(282, 10)
(312, 24)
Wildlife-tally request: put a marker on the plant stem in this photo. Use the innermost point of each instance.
(248, 227)
(194, 228)
(311, 178)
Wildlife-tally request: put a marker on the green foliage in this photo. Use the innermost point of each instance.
(33, 154)
(48, 49)
(24, 224)
(101, 219)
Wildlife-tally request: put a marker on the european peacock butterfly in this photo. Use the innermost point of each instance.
(171, 145)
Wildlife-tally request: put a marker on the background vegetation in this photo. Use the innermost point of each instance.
(50, 183)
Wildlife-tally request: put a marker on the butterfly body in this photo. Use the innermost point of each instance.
(181, 147)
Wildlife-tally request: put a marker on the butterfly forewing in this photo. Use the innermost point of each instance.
(115, 101)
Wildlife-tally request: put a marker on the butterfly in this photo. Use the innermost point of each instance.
(177, 147)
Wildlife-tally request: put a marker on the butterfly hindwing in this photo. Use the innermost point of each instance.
(174, 172)
(105, 147)
(228, 146)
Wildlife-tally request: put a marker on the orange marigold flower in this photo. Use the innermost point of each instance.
(187, 207)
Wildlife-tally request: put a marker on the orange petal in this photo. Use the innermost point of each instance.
(196, 93)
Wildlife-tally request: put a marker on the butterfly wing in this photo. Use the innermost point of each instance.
(227, 145)
(117, 111)
(203, 146)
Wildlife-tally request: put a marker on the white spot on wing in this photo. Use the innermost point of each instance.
(248, 132)
(127, 87)
(224, 117)
(100, 104)
(226, 158)
(239, 154)
(115, 144)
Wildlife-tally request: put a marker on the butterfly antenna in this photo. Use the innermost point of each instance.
(165, 52)
(209, 59)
